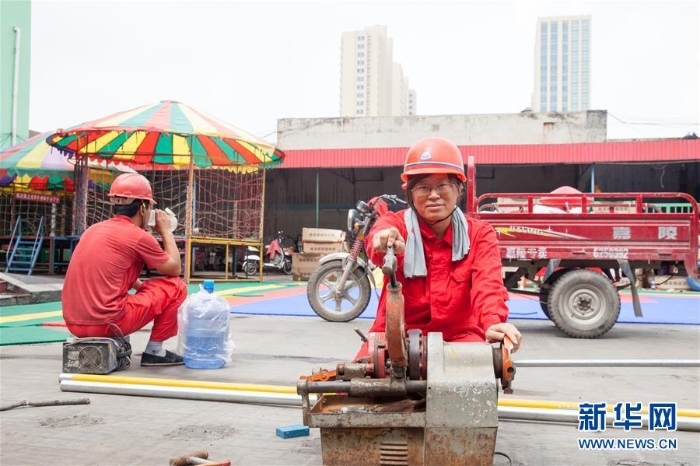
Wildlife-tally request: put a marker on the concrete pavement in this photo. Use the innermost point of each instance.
(115, 429)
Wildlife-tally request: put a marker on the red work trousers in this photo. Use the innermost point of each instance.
(157, 301)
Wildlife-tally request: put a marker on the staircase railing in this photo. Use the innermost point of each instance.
(24, 254)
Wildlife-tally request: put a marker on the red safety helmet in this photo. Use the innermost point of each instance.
(129, 187)
(433, 155)
(562, 201)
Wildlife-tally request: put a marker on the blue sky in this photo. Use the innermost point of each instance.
(250, 63)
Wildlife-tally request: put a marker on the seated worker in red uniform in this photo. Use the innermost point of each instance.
(448, 264)
(107, 263)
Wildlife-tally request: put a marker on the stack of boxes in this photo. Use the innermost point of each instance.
(317, 242)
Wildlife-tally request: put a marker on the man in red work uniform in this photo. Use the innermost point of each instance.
(448, 264)
(107, 263)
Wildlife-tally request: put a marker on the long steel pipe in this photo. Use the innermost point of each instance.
(184, 393)
(329, 387)
(607, 363)
(572, 417)
(177, 383)
(239, 396)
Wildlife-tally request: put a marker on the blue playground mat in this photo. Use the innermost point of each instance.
(658, 308)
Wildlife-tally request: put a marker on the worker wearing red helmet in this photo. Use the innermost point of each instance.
(107, 263)
(449, 265)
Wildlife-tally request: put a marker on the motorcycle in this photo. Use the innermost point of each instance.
(276, 257)
(340, 289)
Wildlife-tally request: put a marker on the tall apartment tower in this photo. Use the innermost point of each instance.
(371, 84)
(562, 64)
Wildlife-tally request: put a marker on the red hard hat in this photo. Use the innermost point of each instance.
(433, 156)
(128, 187)
(562, 201)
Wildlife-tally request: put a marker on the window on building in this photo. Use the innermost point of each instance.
(360, 111)
(360, 38)
(360, 54)
(360, 46)
(360, 86)
(360, 78)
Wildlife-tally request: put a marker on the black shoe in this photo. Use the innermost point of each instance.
(170, 359)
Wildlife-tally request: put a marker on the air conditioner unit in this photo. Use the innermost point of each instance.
(96, 355)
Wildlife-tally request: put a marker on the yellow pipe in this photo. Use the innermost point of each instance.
(181, 383)
(539, 404)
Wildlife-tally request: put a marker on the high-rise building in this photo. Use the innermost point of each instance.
(562, 64)
(371, 84)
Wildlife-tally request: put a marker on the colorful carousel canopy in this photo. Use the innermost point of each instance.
(35, 165)
(166, 135)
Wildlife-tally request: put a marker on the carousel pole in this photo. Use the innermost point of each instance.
(81, 187)
(189, 218)
(262, 223)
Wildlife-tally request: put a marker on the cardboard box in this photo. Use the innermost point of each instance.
(322, 235)
(303, 265)
(322, 248)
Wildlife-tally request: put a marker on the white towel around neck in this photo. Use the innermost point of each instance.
(414, 256)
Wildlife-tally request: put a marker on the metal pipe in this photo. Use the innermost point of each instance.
(608, 363)
(318, 190)
(570, 416)
(15, 84)
(504, 412)
(318, 387)
(185, 393)
(177, 383)
(567, 405)
(366, 386)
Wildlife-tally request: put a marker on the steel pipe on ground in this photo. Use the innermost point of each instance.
(177, 383)
(184, 393)
(526, 410)
(572, 417)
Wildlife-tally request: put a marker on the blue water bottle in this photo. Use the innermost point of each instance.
(206, 330)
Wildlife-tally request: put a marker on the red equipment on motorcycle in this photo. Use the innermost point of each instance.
(379, 205)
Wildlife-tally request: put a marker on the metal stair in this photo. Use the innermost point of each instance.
(22, 254)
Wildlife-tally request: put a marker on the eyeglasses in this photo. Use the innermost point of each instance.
(423, 191)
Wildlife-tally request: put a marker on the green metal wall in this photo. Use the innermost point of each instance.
(14, 13)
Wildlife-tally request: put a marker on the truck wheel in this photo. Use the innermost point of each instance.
(544, 291)
(584, 304)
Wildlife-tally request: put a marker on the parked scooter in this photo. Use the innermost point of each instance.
(340, 289)
(276, 257)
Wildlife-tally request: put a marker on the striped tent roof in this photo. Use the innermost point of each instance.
(166, 135)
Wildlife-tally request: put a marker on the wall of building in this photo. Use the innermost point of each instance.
(14, 14)
(290, 197)
(517, 128)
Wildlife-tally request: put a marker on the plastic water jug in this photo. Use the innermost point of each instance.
(206, 330)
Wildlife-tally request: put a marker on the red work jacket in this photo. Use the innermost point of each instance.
(461, 299)
(105, 264)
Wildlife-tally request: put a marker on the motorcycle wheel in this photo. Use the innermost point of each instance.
(250, 268)
(287, 267)
(347, 307)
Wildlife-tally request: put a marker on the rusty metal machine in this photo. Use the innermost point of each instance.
(416, 400)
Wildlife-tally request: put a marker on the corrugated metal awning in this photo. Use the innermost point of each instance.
(661, 150)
